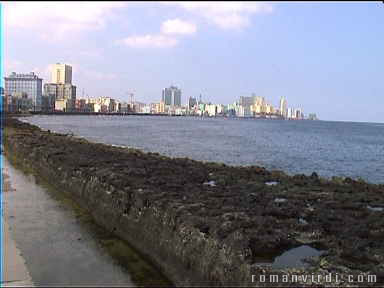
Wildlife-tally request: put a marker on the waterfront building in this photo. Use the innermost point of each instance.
(61, 74)
(220, 109)
(246, 101)
(211, 110)
(191, 103)
(139, 107)
(171, 96)
(117, 106)
(244, 111)
(298, 113)
(20, 102)
(231, 109)
(64, 95)
(269, 109)
(107, 104)
(160, 107)
(48, 103)
(83, 105)
(290, 113)
(258, 104)
(283, 107)
(312, 116)
(61, 88)
(124, 107)
(30, 84)
(145, 109)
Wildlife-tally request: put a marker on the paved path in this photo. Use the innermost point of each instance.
(15, 272)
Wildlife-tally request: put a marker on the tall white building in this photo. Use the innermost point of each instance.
(61, 88)
(61, 74)
(283, 107)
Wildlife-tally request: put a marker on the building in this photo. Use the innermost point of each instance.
(20, 102)
(244, 111)
(211, 110)
(171, 96)
(48, 103)
(312, 116)
(160, 107)
(298, 113)
(124, 107)
(283, 107)
(61, 74)
(246, 101)
(191, 103)
(64, 95)
(61, 88)
(290, 113)
(30, 84)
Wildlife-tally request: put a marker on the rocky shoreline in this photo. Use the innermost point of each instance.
(208, 224)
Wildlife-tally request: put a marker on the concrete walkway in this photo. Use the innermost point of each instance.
(15, 272)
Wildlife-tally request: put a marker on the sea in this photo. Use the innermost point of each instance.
(343, 149)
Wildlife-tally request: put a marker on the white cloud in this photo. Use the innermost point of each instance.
(147, 41)
(58, 20)
(226, 15)
(177, 26)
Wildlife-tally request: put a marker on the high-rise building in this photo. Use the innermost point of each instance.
(246, 101)
(61, 74)
(192, 102)
(298, 113)
(61, 88)
(171, 96)
(64, 95)
(30, 84)
(283, 107)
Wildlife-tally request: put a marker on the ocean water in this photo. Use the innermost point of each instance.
(347, 149)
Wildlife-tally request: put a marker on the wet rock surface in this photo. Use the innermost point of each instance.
(208, 223)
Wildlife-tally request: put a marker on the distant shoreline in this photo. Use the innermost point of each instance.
(269, 117)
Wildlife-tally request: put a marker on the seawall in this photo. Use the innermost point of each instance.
(205, 223)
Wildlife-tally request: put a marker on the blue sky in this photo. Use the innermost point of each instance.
(325, 57)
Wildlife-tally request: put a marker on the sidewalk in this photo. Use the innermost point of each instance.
(15, 272)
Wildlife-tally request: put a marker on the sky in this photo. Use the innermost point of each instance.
(324, 57)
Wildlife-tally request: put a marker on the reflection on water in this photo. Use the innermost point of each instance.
(293, 258)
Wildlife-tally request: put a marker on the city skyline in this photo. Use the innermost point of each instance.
(60, 95)
(222, 51)
(21, 93)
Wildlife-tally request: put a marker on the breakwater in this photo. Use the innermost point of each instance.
(207, 223)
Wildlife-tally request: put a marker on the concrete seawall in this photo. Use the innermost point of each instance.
(205, 223)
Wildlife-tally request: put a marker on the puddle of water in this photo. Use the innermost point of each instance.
(210, 183)
(280, 200)
(271, 183)
(293, 258)
(303, 221)
(376, 209)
